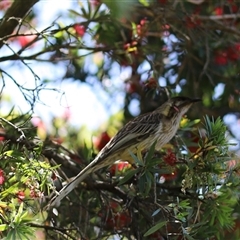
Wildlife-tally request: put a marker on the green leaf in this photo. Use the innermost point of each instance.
(189, 124)
(119, 9)
(18, 216)
(188, 237)
(145, 3)
(76, 13)
(85, 13)
(128, 176)
(155, 228)
(145, 183)
(150, 153)
(38, 149)
(96, 11)
(185, 204)
(3, 227)
(14, 153)
(11, 190)
(135, 158)
(153, 162)
(149, 181)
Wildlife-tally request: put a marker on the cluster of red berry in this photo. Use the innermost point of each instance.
(115, 217)
(228, 54)
(170, 159)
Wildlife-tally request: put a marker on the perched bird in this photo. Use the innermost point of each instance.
(140, 134)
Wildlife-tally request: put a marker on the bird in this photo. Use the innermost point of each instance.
(157, 127)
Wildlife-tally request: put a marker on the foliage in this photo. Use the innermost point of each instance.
(25, 178)
(188, 190)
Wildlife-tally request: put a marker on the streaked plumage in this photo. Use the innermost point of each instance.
(139, 134)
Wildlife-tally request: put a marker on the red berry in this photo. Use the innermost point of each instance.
(134, 43)
(192, 22)
(156, 236)
(131, 87)
(95, 3)
(25, 40)
(33, 193)
(234, 8)
(67, 114)
(2, 177)
(20, 196)
(54, 176)
(119, 167)
(151, 83)
(126, 46)
(194, 147)
(163, 1)
(121, 220)
(170, 158)
(102, 141)
(220, 58)
(143, 21)
(237, 47)
(170, 176)
(57, 140)
(218, 11)
(115, 217)
(79, 29)
(232, 54)
(165, 27)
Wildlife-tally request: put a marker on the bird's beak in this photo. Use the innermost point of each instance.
(196, 100)
(190, 102)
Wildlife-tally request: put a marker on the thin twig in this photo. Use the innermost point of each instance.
(22, 136)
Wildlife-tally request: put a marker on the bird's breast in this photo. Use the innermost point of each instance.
(166, 131)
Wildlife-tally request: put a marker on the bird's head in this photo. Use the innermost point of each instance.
(177, 106)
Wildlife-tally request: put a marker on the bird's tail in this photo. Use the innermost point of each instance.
(92, 167)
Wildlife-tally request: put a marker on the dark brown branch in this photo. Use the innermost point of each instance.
(10, 21)
(15, 56)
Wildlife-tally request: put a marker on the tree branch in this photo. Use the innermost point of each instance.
(13, 16)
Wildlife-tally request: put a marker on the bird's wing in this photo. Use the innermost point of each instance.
(132, 133)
